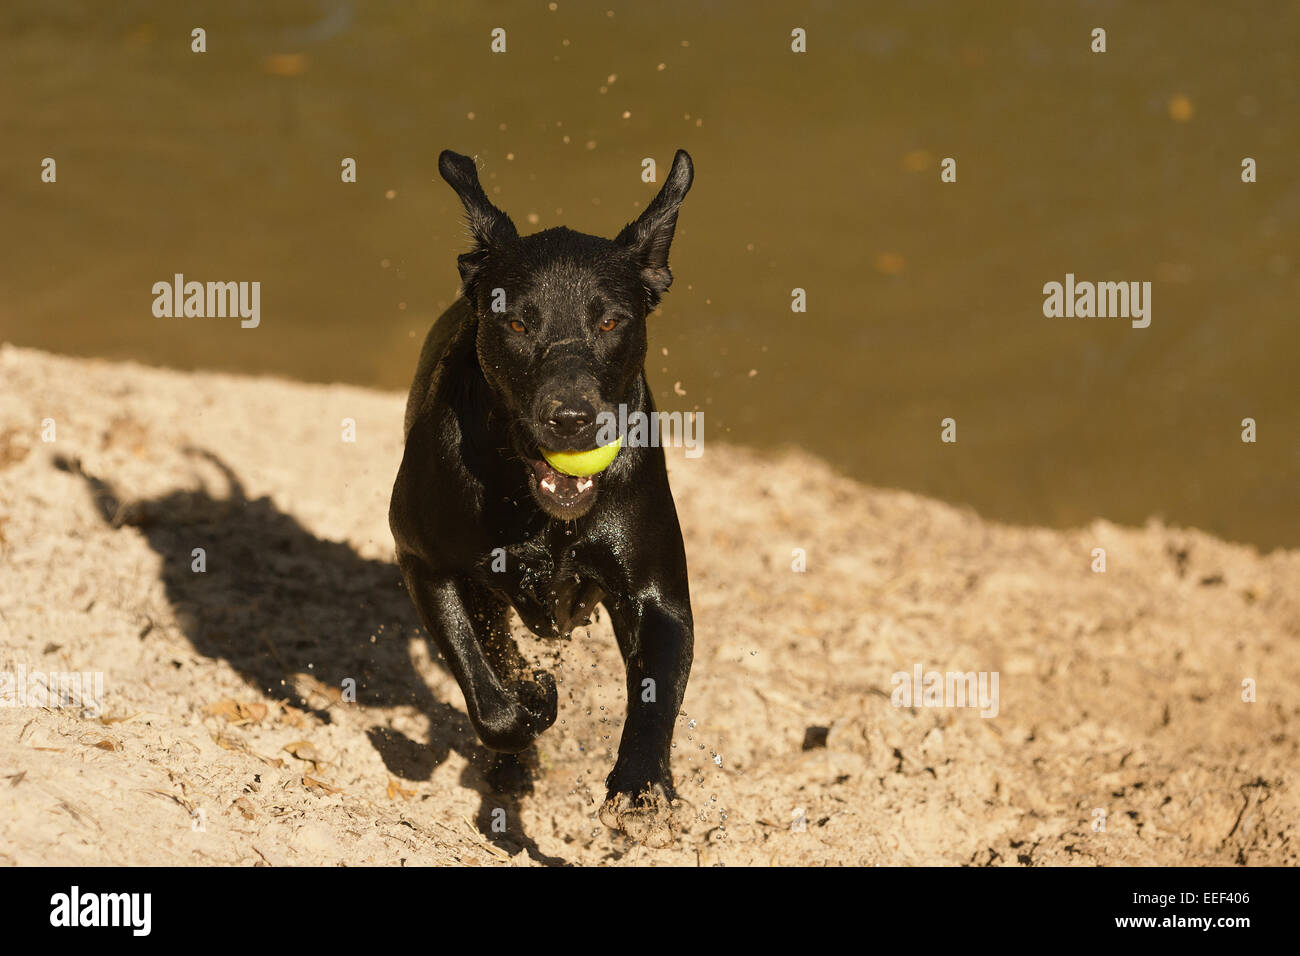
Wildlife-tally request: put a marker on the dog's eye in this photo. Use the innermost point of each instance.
(517, 326)
(607, 324)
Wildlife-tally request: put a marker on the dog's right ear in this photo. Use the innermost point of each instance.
(490, 227)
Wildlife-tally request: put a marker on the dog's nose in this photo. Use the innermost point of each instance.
(566, 418)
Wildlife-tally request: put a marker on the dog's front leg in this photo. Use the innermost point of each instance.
(657, 643)
(507, 717)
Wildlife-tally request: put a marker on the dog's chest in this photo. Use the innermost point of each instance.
(546, 587)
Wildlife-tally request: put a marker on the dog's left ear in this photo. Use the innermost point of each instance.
(652, 233)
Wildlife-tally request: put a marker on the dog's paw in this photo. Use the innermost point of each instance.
(654, 817)
(538, 699)
(527, 710)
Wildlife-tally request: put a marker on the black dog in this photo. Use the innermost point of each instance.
(547, 341)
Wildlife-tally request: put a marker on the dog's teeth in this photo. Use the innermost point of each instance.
(549, 485)
(584, 485)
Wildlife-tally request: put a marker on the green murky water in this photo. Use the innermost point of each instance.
(819, 171)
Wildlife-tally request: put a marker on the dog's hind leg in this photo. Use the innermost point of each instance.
(507, 715)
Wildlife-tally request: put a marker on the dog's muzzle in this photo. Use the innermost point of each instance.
(560, 495)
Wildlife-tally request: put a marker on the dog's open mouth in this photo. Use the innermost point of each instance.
(560, 495)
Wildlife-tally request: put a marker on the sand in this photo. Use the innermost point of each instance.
(225, 734)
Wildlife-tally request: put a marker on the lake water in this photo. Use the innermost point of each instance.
(817, 170)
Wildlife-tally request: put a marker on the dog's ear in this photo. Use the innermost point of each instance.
(652, 233)
(490, 227)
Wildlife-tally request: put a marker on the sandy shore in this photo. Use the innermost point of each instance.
(224, 736)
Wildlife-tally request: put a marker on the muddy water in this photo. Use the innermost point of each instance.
(818, 171)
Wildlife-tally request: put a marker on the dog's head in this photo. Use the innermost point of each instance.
(561, 322)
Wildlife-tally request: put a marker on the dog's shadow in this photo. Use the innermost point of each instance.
(298, 616)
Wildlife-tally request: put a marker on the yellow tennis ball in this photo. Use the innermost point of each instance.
(582, 464)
